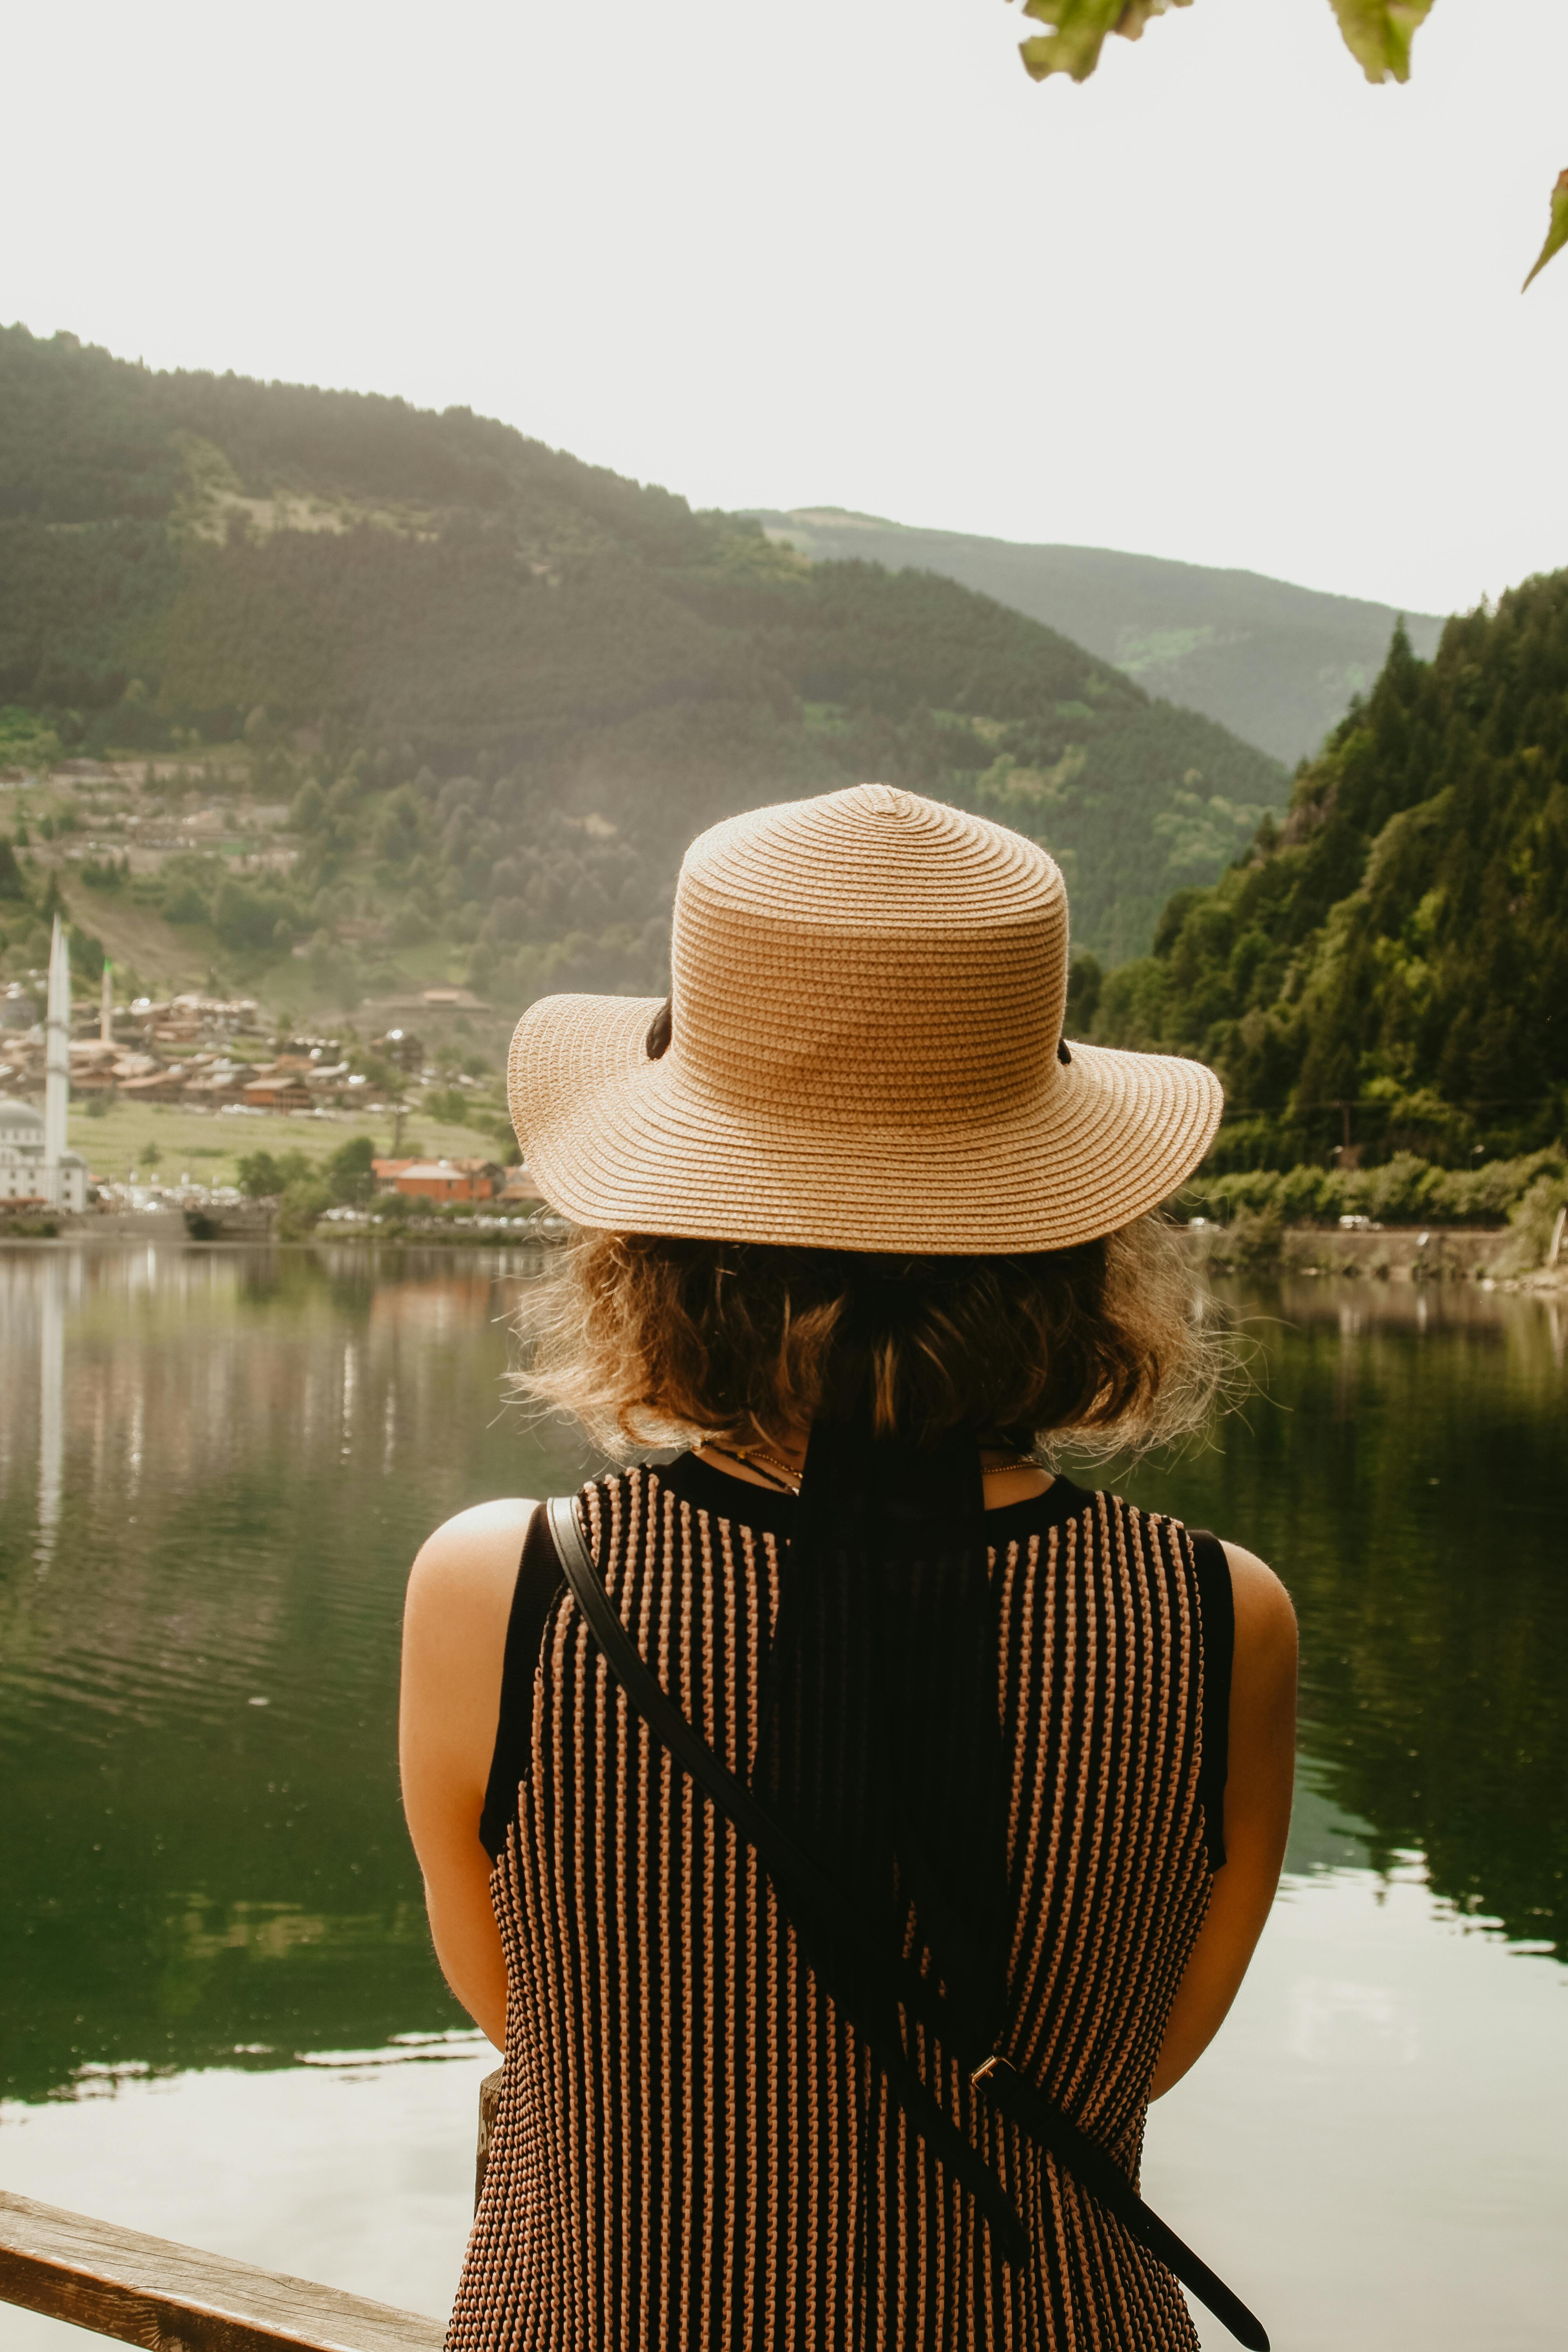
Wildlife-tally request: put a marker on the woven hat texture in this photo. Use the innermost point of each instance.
(867, 991)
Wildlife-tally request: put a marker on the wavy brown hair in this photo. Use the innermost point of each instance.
(647, 1340)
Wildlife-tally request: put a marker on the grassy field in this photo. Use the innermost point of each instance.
(163, 961)
(207, 1145)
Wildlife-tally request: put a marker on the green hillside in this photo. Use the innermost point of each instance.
(1274, 663)
(1392, 962)
(496, 690)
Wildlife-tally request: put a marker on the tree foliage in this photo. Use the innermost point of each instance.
(1557, 227)
(1377, 33)
(1390, 966)
(1077, 30)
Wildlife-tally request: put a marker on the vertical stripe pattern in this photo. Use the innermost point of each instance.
(693, 2151)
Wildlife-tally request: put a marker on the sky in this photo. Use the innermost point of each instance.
(1226, 302)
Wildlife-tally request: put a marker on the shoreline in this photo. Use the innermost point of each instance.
(1392, 1254)
(1400, 1254)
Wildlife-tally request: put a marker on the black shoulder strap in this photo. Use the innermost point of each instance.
(825, 1914)
(1217, 1618)
(670, 1726)
(539, 1581)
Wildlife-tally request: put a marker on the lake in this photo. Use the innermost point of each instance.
(222, 2020)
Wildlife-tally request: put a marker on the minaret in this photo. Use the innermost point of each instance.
(56, 1066)
(106, 1006)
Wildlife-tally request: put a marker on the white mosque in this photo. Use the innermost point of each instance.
(23, 1175)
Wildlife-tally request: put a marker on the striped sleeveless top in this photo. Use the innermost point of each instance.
(693, 2151)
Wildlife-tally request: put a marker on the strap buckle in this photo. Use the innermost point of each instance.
(994, 2065)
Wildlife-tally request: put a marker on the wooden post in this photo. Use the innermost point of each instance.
(171, 2298)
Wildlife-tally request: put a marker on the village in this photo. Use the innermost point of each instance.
(208, 1054)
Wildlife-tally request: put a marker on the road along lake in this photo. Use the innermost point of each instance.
(219, 2015)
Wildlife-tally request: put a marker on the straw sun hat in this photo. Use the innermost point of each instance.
(863, 1050)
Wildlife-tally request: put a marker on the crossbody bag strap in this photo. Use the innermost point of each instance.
(673, 1730)
(830, 1920)
(1100, 2174)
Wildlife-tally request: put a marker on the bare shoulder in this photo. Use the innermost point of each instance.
(1266, 1637)
(471, 1547)
(1259, 1595)
(453, 1638)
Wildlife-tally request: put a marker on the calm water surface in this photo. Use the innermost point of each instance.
(220, 2016)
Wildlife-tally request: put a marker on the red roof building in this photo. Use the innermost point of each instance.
(281, 1090)
(447, 1180)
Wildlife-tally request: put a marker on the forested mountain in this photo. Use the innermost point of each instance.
(498, 688)
(1275, 663)
(1390, 966)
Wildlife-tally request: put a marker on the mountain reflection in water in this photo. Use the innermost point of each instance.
(204, 1528)
(1402, 1464)
(214, 1467)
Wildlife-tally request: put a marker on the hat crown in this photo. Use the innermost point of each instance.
(868, 959)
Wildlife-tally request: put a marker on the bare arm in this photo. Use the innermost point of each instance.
(454, 1640)
(1256, 1814)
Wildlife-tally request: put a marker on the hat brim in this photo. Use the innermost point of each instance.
(625, 1144)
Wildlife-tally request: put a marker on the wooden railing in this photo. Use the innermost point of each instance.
(170, 2298)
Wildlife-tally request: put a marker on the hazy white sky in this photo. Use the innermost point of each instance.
(1226, 302)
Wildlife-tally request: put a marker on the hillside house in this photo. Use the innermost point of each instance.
(156, 1086)
(447, 1180)
(223, 1082)
(276, 1090)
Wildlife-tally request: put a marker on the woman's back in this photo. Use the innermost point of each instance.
(854, 1217)
(693, 2148)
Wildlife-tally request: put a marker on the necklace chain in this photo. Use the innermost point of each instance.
(788, 1484)
(787, 1470)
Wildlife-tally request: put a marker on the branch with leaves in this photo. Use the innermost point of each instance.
(1377, 33)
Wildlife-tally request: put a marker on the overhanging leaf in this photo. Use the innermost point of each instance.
(1378, 34)
(1557, 235)
(1078, 29)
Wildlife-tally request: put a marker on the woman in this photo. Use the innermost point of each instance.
(863, 1234)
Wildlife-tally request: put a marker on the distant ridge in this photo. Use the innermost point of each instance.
(495, 690)
(1275, 663)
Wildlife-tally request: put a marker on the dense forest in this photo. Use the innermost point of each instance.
(1387, 969)
(1275, 663)
(500, 688)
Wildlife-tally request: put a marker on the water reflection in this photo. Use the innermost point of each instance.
(51, 1404)
(215, 1466)
(207, 1505)
(1404, 1466)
